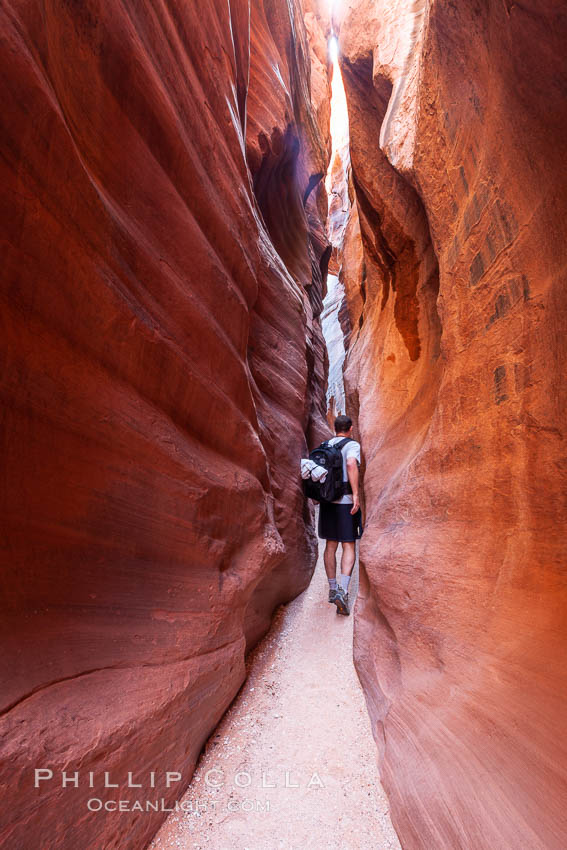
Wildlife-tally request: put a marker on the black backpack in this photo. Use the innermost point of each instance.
(331, 458)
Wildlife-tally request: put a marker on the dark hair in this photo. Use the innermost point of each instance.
(342, 423)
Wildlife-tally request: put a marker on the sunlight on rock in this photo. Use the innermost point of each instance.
(339, 114)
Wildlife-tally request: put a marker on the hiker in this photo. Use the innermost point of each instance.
(340, 520)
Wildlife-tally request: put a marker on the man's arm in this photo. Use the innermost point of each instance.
(352, 472)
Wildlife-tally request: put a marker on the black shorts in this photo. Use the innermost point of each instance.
(337, 523)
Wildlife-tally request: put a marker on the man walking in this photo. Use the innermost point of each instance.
(341, 521)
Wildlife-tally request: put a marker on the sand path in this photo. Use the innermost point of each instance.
(299, 720)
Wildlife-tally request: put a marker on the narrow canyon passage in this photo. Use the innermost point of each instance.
(300, 711)
(211, 245)
(300, 718)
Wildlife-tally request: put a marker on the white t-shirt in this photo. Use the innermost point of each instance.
(351, 449)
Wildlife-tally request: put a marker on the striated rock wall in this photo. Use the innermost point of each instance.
(335, 343)
(457, 308)
(162, 364)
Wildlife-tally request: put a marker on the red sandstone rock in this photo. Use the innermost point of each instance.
(353, 276)
(162, 364)
(460, 624)
(339, 206)
(335, 343)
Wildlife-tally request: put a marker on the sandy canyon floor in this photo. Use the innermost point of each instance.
(299, 720)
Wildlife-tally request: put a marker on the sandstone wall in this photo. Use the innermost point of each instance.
(162, 364)
(457, 308)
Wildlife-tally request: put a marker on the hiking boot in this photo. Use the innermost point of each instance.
(332, 594)
(341, 601)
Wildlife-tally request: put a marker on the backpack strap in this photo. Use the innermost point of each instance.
(339, 445)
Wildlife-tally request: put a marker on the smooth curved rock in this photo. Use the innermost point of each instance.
(460, 628)
(162, 366)
(335, 344)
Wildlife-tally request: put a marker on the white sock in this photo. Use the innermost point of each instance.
(344, 580)
(333, 583)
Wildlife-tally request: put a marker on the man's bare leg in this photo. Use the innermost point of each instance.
(329, 557)
(347, 558)
(347, 563)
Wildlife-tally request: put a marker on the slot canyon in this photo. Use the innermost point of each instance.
(210, 249)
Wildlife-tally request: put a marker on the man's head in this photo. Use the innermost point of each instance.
(343, 424)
